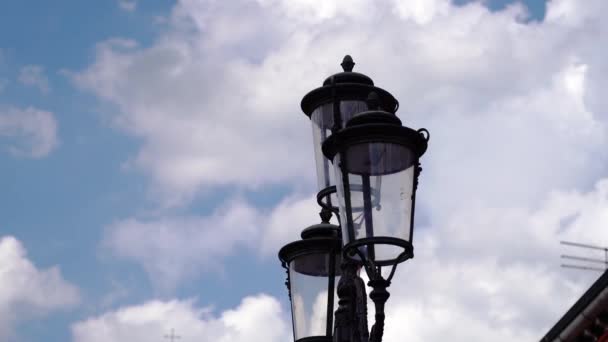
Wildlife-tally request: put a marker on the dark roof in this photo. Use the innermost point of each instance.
(577, 309)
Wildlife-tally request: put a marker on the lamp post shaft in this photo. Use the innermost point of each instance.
(351, 315)
(379, 296)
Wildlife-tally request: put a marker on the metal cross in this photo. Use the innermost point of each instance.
(172, 337)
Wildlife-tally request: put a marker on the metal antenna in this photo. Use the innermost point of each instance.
(172, 337)
(587, 260)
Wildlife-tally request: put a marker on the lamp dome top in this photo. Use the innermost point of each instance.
(346, 85)
(348, 76)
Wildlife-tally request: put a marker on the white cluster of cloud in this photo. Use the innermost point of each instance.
(257, 318)
(33, 75)
(28, 132)
(515, 109)
(173, 248)
(495, 266)
(210, 87)
(127, 5)
(26, 291)
(496, 270)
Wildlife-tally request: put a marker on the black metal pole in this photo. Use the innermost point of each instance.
(379, 296)
(330, 295)
(351, 315)
(367, 214)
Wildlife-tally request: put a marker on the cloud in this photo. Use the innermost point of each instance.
(497, 269)
(286, 220)
(27, 292)
(173, 249)
(533, 143)
(209, 105)
(127, 5)
(493, 273)
(516, 112)
(154, 319)
(28, 132)
(33, 75)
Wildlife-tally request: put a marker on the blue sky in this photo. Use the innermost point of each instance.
(134, 134)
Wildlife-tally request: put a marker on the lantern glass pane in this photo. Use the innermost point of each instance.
(379, 193)
(322, 120)
(309, 275)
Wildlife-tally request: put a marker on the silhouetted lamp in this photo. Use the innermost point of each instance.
(367, 170)
(376, 164)
(313, 269)
(329, 107)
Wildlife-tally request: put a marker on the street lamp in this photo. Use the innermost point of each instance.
(329, 107)
(376, 162)
(368, 165)
(313, 268)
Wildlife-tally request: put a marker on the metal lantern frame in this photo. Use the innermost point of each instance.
(337, 89)
(368, 128)
(378, 123)
(319, 239)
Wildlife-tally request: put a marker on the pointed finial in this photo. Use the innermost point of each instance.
(347, 63)
(373, 101)
(325, 215)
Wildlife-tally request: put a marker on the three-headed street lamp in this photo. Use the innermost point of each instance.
(367, 171)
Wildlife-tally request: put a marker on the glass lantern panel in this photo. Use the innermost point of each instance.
(322, 122)
(309, 294)
(379, 195)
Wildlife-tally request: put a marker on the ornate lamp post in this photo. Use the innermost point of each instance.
(367, 170)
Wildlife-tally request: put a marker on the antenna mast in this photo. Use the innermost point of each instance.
(590, 264)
